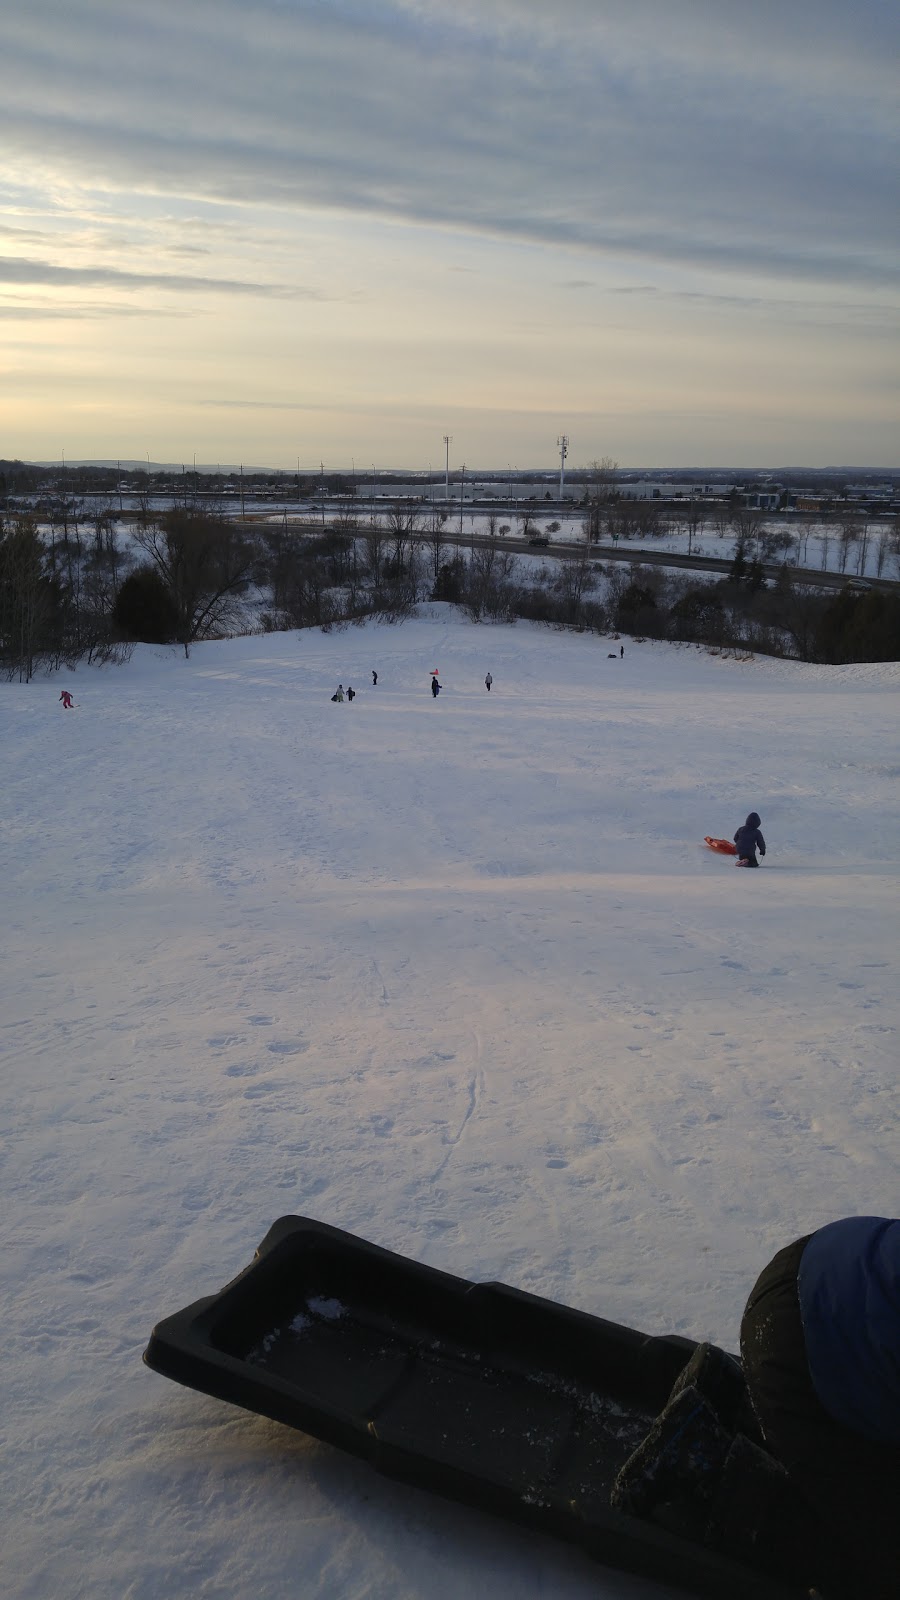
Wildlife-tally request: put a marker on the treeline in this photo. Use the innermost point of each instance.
(742, 611)
(75, 590)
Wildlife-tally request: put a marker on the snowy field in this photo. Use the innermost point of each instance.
(814, 546)
(457, 976)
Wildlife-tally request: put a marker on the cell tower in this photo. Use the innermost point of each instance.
(563, 446)
(448, 440)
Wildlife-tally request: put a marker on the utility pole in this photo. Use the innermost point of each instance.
(322, 470)
(448, 440)
(462, 485)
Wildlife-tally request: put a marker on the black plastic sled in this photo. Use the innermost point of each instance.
(477, 1391)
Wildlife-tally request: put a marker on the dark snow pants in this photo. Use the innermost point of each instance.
(851, 1483)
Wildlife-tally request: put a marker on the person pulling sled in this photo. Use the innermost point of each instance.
(748, 840)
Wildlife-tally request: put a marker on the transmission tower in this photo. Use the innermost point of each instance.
(448, 440)
(563, 446)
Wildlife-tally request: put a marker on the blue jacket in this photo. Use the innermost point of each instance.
(749, 839)
(849, 1289)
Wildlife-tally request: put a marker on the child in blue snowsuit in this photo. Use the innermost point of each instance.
(748, 840)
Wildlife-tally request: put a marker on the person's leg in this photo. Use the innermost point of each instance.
(719, 1378)
(851, 1483)
(702, 1472)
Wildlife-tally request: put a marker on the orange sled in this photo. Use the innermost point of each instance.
(724, 846)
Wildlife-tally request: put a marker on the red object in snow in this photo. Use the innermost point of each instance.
(724, 846)
(66, 699)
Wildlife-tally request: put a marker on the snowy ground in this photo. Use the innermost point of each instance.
(455, 975)
(814, 546)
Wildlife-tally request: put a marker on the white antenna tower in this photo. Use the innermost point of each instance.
(448, 440)
(563, 446)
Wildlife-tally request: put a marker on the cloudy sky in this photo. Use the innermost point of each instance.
(271, 230)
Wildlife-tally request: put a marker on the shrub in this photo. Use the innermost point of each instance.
(145, 610)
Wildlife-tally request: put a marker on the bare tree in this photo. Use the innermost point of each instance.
(601, 490)
(603, 477)
(848, 536)
(863, 544)
(489, 569)
(435, 538)
(373, 538)
(747, 524)
(693, 519)
(403, 522)
(576, 578)
(204, 562)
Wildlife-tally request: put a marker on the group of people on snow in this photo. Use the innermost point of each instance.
(341, 694)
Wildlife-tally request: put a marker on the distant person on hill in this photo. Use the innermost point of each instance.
(66, 699)
(487, 683)
(374, 677)
(621, 651)
(351, 695)
(435, 688)
(340, 694)
(748, 840)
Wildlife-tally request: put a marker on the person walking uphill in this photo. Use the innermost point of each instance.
(339, 697)
(748, 840)
(487, 683)
(435, 688)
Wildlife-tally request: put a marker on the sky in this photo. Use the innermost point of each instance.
(282, 231)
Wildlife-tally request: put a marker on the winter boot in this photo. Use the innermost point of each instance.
(677, 1465)
(719, 1378)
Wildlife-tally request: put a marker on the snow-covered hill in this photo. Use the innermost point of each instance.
(456, 975)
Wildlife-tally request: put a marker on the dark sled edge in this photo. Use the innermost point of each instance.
(483, 1393)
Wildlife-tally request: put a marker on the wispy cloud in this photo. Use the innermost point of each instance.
(11, 311)
(18, 269)
(711, 134)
